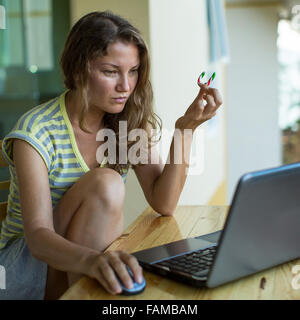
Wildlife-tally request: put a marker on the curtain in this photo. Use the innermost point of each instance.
(219, 47)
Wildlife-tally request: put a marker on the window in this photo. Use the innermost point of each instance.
(289, 90)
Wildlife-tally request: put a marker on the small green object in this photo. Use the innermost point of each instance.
(202, 74)
(33, 69)
(213, 76)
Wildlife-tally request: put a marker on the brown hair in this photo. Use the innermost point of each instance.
(89, 38)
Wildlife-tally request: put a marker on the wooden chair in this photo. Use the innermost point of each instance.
(4, 185)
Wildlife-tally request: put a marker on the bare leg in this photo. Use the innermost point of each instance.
(99, 220)
(90, 214)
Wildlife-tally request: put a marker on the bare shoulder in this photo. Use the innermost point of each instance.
(33, 184)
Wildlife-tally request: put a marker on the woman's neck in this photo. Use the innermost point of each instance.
(93, 120)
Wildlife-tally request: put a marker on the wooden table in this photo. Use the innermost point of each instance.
(150, 229)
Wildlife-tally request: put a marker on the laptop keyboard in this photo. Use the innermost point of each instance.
(196, 263)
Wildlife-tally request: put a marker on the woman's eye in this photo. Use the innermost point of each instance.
(113, 72)
(110, 72)
(135, 70)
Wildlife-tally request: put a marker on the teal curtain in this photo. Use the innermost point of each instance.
(219, 46)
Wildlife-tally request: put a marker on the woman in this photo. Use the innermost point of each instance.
(64, 209)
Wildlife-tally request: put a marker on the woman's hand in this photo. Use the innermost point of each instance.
(198, 112)
(104, 267)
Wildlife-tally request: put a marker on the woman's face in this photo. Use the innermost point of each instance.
(113, 77)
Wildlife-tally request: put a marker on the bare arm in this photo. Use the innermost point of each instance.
(169, 185)
(43, 242)
(163, 185)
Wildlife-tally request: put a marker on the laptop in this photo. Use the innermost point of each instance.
(261, 231)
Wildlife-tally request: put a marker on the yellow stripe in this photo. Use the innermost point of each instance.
(42, 115)
(8, 235)
(14, 224)
(72, 135)
(29, 117)
(14, 206)
(6, 223)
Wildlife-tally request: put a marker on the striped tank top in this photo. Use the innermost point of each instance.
(48, 130)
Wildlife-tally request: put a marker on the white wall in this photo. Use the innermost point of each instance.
(252, 96)
(180, 52)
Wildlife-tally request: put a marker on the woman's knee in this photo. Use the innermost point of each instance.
(99, 220)
(102, 187)
(108, 187)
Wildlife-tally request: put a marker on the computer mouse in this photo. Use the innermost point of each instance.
(137, 287)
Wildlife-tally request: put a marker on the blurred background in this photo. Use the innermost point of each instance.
(253, 46)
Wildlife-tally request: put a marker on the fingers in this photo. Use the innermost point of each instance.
(134, 266)
(203, 108)
(201, 111)
(211, 104)
(112, 265)
(210, 108)
(212, 96)
(216, 96)
(203, 90)
(120, 268)
(107, 277)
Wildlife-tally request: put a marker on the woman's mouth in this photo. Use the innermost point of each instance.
(120, 99)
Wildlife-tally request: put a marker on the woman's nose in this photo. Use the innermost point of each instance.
(123, 84)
